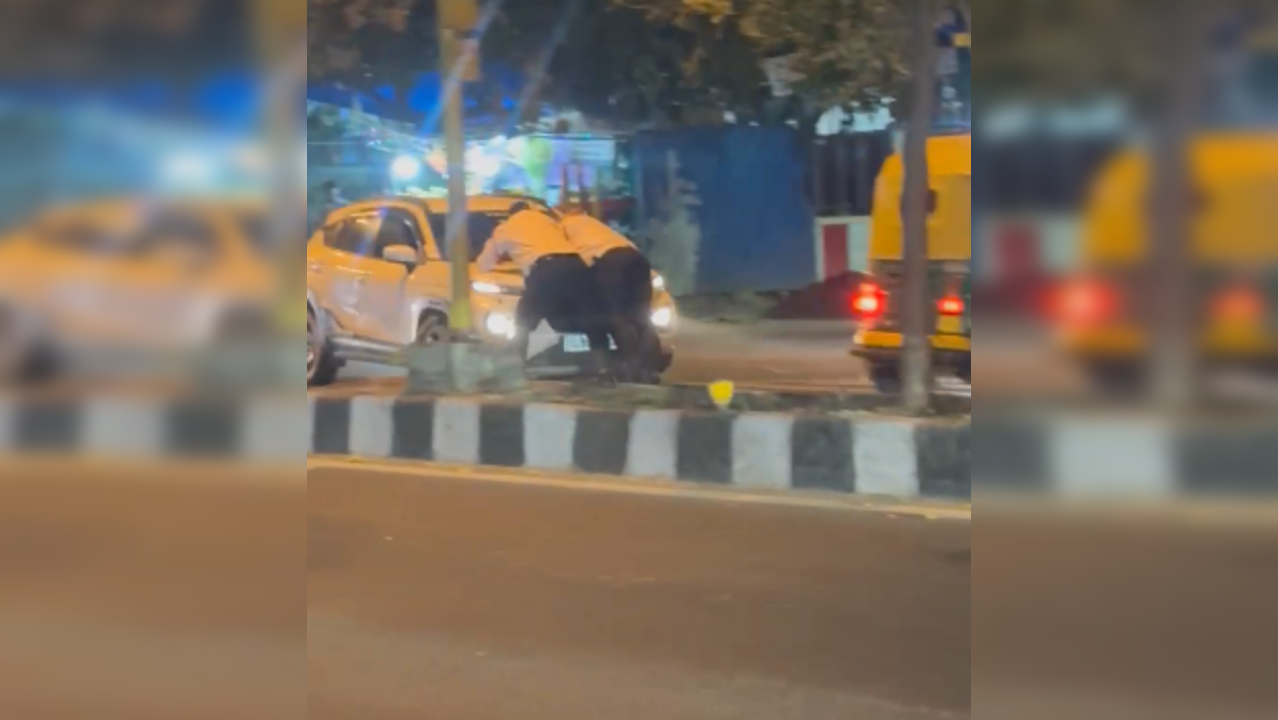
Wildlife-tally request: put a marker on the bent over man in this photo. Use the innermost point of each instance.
(558, 286)
(624, 277)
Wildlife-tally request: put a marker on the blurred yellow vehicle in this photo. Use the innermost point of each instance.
(132, 274)
(378, 280)
(879, 339)
(1103, 314)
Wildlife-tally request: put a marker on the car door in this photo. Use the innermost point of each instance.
(342, 274)
(385, 304)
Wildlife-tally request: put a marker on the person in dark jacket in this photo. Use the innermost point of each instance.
(558, 286)
(624, 278)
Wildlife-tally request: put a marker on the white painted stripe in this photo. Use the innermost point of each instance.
(372, 429)
(8, 423)
(653, 451)
(549, 434)
(456, 432)
(123, 427)
(274, 429)
(1112, 458)
(886, 458)
(762, 452)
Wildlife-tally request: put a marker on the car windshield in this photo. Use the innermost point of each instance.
(82, 237)
(256, 227)
(480, 227)
(90, 233)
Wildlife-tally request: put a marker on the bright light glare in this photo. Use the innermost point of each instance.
(405, 168)
(662, 318)
(500, 325)
(658, 282)
(486, 164)
(484, 288)
(186, 167)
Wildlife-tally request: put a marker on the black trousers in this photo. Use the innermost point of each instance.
(561, 290)
(624, 277)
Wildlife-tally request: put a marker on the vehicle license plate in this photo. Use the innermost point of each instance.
(576, 344)
(581, 344)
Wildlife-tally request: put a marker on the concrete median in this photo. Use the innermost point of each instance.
(1104, 456)
(749, 450)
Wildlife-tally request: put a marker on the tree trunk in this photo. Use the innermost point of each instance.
(916, 315)
(1171, 188)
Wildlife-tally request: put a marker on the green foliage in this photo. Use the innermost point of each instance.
(650, 62)
(849, 53)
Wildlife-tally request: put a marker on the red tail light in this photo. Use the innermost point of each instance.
(951, 306)
(870, 302)
(1087, 302)
(1239, 305)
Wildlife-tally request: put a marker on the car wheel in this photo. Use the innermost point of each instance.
(886, 377)
(31, 366)
(1117, 379)
(321, 368)
(432, 329)
(24, 360)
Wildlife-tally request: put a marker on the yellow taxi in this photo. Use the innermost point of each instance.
(876, 304)
(378, 280)
(1104, 313)
(138, 273)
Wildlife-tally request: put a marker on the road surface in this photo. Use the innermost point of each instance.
(772, 354)
(437, 598)
(432, 595)
(802, 355)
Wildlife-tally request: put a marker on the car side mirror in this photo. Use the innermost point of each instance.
(401, 255)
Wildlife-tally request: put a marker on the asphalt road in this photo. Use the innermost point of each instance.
(578, 604)
(803, 355)
(438, 598)
(178, 593)
(786, 354)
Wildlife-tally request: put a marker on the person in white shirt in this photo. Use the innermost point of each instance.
(558, 285)
(624, 278)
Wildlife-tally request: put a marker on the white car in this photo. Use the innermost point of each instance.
(378, 280)
(139, 276)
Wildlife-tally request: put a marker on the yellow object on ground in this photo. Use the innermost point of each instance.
(722, 393)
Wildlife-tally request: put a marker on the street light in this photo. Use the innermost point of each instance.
(405, 168)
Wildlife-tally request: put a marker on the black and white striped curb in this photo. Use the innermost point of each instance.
(1105, 457)
(256, 429)
(1084, 457)
(757, 451)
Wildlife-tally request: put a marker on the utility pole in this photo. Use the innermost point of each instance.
(1173, 191)
(917, 315)
(279, 28)
(459, 62)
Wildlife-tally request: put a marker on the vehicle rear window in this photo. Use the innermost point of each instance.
(480, 226)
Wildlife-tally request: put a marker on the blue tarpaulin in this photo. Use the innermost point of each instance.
(741, 190)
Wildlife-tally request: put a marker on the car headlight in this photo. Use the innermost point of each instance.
(662, 318)
(501, 325)
(486, 288)
(658, 282)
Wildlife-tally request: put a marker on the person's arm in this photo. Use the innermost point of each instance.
(491, 256)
